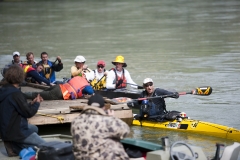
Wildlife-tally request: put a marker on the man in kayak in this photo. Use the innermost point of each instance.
(75, 88)
(119, 77)
(96, 133)
(14, 113)
(49, 68)
(152, 106)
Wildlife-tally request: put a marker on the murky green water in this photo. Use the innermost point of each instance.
(180, 44)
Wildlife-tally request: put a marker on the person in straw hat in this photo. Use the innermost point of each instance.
(119, 77)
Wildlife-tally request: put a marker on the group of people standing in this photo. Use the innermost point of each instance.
(42, 72)
(96, 133)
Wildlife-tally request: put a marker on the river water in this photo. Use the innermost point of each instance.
(180, 44)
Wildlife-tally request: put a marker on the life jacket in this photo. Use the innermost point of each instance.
(98, 84)
(87, 70)
(47, 71)
(124, 84)
(147, 109)
(27, 68)
(73, 88)
(27, 63)
(153, 109)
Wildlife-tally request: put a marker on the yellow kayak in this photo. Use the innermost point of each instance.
(194, 126)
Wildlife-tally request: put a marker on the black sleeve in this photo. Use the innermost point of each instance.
(26, 109)
(37, 77)
(57, 66)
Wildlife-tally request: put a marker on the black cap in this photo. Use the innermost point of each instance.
(96, 98)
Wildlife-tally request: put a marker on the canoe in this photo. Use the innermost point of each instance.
(194, 126)
(48, 138)
(145, 150)
(118, 93)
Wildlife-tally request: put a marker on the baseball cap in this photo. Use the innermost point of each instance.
(96, 98)
(101, 62)
(88, 90)
(147, 80)
(16, 53)
(80, 59)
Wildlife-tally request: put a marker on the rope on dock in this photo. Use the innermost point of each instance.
(61, 119)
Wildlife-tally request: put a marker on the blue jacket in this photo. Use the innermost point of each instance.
(14, 111)
(55, 67)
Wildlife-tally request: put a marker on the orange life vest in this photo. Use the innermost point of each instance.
(73, 88)
(124, 84)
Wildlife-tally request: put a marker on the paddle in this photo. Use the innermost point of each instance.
(101, 78)
(201, 91)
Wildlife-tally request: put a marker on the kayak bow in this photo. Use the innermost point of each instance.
(194, 126)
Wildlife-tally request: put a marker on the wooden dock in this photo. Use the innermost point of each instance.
(64, 111)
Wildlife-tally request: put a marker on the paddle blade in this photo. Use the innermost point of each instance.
(204, 91)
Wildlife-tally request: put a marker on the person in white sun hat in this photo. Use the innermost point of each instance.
(152, 106)
(80, 68)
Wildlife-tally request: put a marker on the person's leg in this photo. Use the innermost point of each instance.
(33, 140)
(33, 128)
(53, 93)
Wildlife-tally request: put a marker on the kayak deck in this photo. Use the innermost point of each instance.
(194, 126)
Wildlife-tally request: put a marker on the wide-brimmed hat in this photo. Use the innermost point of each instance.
(119, 59)
(147, 80)
(80, 59)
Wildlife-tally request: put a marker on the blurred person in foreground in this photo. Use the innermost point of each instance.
(96, 133)
(15, 130)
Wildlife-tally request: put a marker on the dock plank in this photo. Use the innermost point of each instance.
(53, 111)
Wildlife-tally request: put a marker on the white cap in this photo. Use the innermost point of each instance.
(16, 53)
(147, 80)
(80, 59)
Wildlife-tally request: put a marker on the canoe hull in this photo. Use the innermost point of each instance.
(116, 94)
(195, 126)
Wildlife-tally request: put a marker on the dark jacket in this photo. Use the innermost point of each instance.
(14, 111)
(54, 67)
(157, 105)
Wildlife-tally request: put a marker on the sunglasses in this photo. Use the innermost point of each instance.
(100, 66)
(148, 84)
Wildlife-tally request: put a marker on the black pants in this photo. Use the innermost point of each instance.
(52, 93)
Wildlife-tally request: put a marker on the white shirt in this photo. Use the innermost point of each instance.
(96, 75)
(111, 79)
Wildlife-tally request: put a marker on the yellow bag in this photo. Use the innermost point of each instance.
(98, 85)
